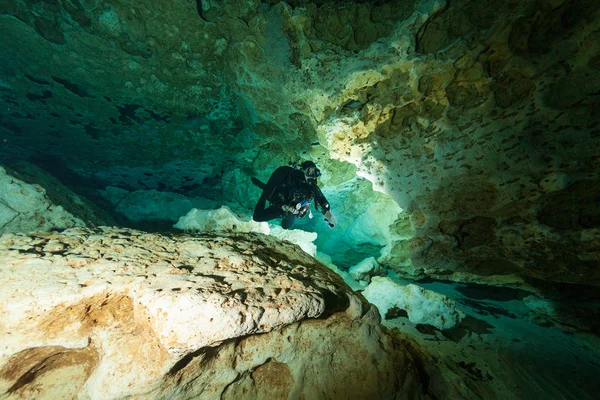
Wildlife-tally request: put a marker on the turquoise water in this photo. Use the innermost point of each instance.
(507, 347)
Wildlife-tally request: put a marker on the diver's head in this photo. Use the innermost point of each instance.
(311, 172)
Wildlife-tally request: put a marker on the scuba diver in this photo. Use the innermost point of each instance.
(290, 191)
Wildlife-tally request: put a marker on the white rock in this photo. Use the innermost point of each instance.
(220, 220)
(25, 208)
(225, 220)
(113, 313)
(350, 281)
(364, 270)
(373, 226)
(302, 238)
(423, 306)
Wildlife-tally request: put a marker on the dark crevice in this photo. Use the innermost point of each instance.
(40, 97)
(200, 11)
(55, 166)
(72, 87)
(158, 117)
(128, 114)
(91, 131)
(208, 352)
(36, 80)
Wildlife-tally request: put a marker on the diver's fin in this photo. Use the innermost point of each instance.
(258, 183)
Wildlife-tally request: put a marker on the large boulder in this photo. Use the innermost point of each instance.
(224, 219)
(114, 313)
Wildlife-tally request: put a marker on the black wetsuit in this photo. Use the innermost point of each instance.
(287, 186)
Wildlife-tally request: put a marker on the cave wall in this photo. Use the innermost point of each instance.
(121, 93)
(165, 101)
(479, 119)
(485, 129)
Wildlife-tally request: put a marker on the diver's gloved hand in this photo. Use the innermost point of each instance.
(330, 219)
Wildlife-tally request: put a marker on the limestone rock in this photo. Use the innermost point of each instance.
(423, 306)
(26, 208)
(72, 199)
(225, 220)
(348, 279)
(119, 313)
(478, 137)
(366, 269)
(297, 236)
(220, 220)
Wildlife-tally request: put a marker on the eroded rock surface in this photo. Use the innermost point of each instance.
(421, 306)
(111, 313)
(65, 195)
(469, 126)
(26, 208)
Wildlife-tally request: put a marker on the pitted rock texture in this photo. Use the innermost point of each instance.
(122, 61)
(188, 98)
(111, 313)
(468, 124)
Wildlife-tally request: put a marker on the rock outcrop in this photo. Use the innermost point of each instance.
(26, 208)
(421, 306)
(469, 126)
(366, 269)
(225, 220)
(118, 313)
(62, 194)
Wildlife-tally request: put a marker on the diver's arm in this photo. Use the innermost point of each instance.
(320, 200)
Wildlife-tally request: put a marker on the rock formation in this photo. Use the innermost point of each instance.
(421, 306)
(26, 208)
(366, 269)
(479, 119)
(458, 141)
(113, 313)
(224, 220)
